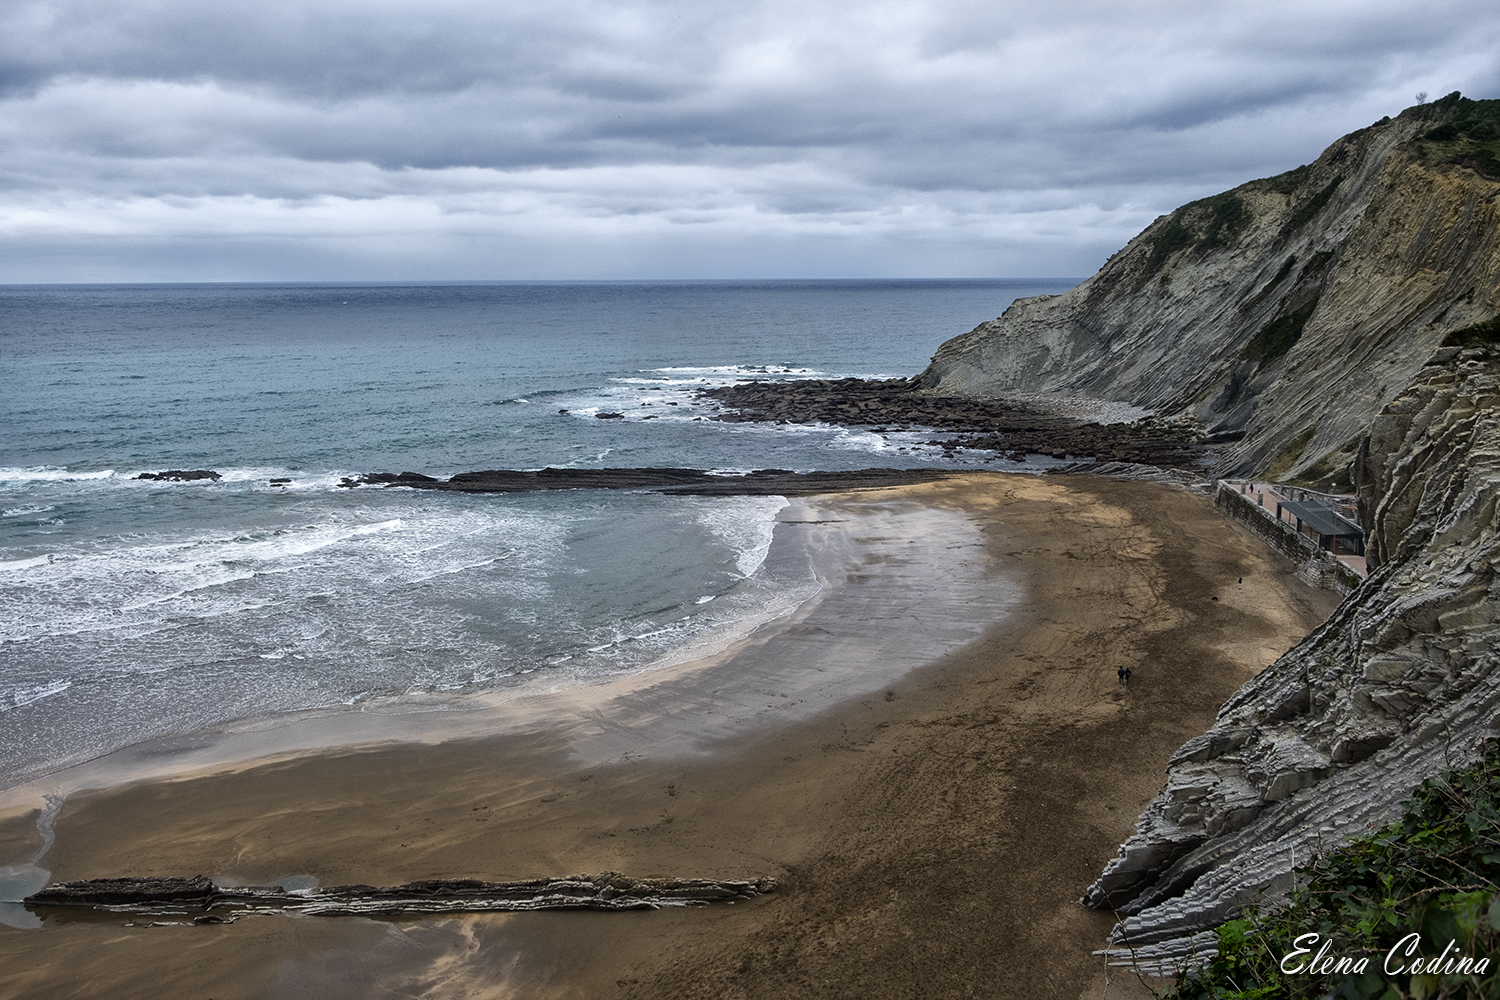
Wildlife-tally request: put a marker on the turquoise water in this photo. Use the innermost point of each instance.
(133, 609)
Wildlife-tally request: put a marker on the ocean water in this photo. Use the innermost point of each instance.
(134, 609)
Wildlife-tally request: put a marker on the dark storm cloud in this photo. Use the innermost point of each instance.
(757, 136)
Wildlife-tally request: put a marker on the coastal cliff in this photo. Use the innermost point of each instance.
(1280, 315)
(1333, 325)
(1329, 741)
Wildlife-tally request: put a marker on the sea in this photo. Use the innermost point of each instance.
(133, 609)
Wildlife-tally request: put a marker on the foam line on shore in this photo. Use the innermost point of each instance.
(907, 602)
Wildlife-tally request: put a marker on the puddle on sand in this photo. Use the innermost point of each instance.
(16, 883)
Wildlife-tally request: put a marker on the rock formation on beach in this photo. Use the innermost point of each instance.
(1302, 319)
(200, 900)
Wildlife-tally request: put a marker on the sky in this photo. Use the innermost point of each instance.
(316, 140)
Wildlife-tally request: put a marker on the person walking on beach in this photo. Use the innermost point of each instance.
(1122, 673)
(1127, 675)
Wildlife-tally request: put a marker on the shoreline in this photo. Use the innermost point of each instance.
(883, 807)
(811, 553)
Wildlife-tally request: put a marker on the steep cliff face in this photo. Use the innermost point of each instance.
(1300, 319)
(1401, 681)
(1281, 315)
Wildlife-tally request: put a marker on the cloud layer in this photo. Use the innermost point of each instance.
(387, 139)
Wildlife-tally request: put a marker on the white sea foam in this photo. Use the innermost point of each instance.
(732, 370)
(20, 565)
(256, 477)
(25, 696)
(31, 508)
(113, 585)
(585, 460)
(746, 525)
(48, 473)
(464, 567)
(352, 605)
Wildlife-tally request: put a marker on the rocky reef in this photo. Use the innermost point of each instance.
(685, 482)
(1333, 325)
(1004, 429)
(181, 475)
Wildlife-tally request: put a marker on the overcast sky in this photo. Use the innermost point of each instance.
(150, 140)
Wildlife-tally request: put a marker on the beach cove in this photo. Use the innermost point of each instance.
(933, 796)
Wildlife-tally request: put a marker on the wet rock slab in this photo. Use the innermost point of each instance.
(201, 898)
(181, 475)
(1008, 429)
(694, 482)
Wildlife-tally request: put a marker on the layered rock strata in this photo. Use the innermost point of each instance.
(688, 482)
(1301, 320)
(200, 898)
(1281, 315)
(1400, 682)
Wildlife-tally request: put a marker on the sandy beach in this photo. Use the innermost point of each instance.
(933, 756)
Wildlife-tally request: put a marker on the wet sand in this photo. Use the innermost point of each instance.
(934, 756)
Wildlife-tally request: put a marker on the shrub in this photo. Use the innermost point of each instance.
(1285, 183)
(1207, 223)
(1314, 205)
(1278, 336)
(1466, 135)
(1485, 334)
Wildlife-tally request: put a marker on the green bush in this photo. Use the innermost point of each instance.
(1466, 135)
(1206, 223)
(1285, 183)
(1485, 334)
(1278, 336)
(1314, 205)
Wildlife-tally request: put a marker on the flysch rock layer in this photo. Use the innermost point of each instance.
(1399, 683)
(1300, 320)
(1379, 254)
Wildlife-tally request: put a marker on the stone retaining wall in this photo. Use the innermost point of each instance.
(1314, 565)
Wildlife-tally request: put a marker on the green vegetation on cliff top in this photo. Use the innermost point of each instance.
(1467, 134)
(1203, 224)
(1464, 133)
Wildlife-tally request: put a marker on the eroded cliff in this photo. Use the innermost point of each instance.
(1282, 314)
(1302, 320)
(1331, 739)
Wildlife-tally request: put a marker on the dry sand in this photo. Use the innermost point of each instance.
(934, 756)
